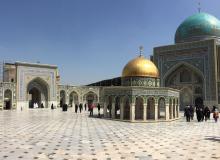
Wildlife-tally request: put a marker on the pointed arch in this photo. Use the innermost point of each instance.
(139, 108)
(38, 93)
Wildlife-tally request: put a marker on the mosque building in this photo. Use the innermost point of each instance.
(184, 73)
(191, 65)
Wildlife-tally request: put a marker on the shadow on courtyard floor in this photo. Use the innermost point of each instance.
(213, 138)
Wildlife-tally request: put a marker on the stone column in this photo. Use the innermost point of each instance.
(177, 111)
(67, 98)
(132, 112)
(121, 111)
(113, 110)
(156, 111)
(145, 112)
(167, 111)
(105, 110)
(174, 111)
(171, 112)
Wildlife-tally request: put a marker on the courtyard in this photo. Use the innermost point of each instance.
(52, 134)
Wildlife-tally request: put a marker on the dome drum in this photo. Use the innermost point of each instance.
(140, 81)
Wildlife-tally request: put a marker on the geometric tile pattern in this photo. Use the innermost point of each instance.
(42, 134)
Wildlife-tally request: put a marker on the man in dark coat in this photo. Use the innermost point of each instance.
(187, 113)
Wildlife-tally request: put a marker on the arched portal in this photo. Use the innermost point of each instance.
(161, 108)
(150, 108)
(73, 99)
(62, 98)
(139, 108)
(188, 79)
(126, 104)
(8, 99)
(90, 98)
(37, 91)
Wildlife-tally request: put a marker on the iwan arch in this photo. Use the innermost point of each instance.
(189, 68)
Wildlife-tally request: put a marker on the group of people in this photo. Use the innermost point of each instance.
(80, 106)
(35, 105)
(90, 108)
(202, 113)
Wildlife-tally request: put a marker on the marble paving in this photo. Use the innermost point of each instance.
(41, 134)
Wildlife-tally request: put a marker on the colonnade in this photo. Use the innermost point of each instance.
(142, 109)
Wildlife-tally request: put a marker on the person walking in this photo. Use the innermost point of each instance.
(216, 115)
(99, 107)
(91, 109)
(85, 106)
(191, 108)
(187, 113)
(76, 108)
(207, 113)
(52, 106)
(80, 107)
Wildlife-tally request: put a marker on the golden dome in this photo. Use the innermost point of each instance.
(140, 67)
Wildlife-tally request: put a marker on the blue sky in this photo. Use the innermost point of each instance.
(90, 40)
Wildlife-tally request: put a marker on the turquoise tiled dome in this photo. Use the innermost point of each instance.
(198, 26)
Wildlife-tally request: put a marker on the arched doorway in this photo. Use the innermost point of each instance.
(91, 97)
(126, 104)
(161, 108)
(73, 98)
(37, 91)
(8, 99)
(62, 98)
(150, 108)
(188, 79)
(198, 101)
(139, 108)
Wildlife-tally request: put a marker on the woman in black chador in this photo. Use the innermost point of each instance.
(191, 108)
(200, 113)
(85, 106)
(76, 108)
(80, 107)
(99, 107)
(207, 113)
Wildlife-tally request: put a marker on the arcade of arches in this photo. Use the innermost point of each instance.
(142, 108)
(73, 97)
